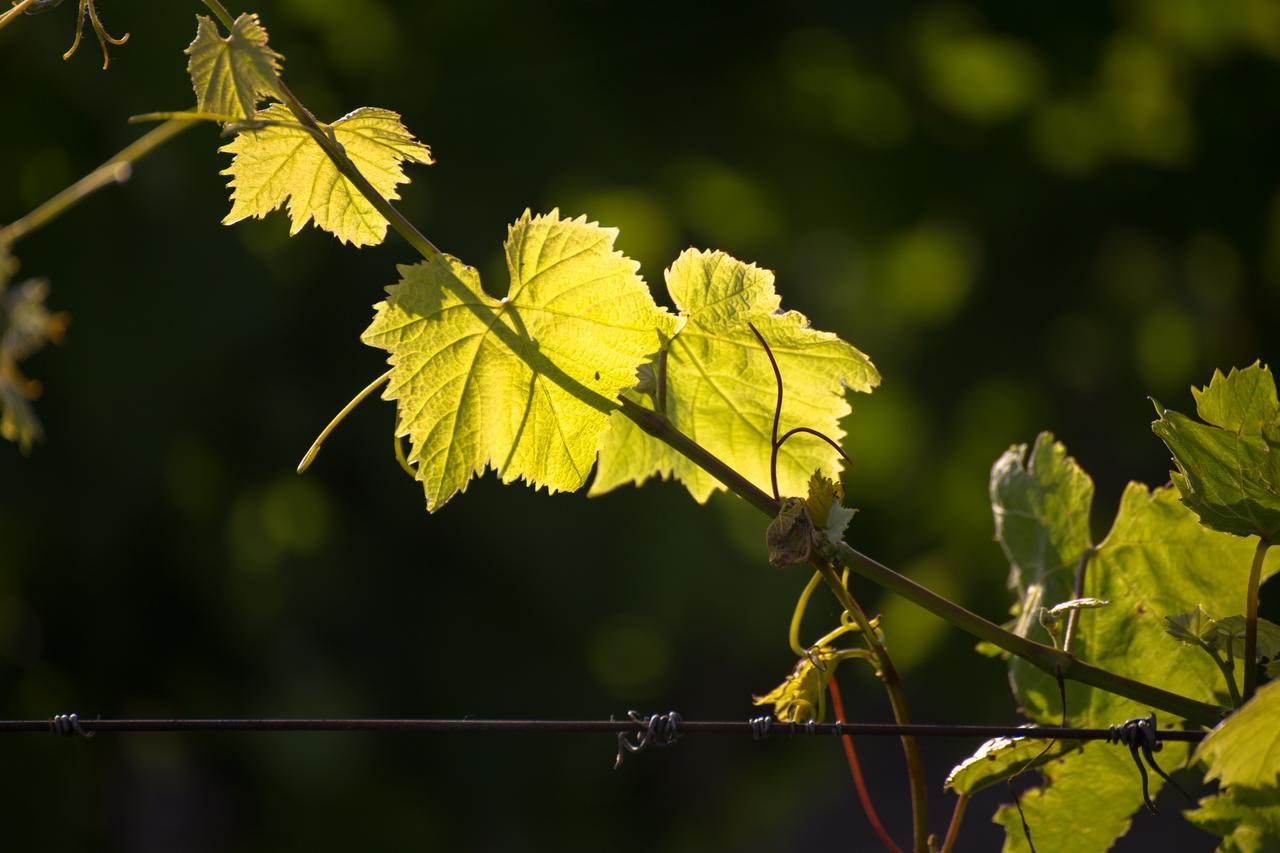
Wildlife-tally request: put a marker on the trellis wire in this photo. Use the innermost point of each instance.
(749, 728)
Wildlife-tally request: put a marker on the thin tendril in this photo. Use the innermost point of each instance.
(777, 411)
(88, 10)
(798, 616)
(400, 457)
(338, 419)
(828, 439)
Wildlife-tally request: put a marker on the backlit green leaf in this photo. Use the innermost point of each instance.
(525, 383)
(1002, 757)
(1244, 749)
(1248, 820)
(1229, 466)
(282, 164)
(829, 515)
(1156, 561)
(721, 389)
(801, 696)
(232, 75)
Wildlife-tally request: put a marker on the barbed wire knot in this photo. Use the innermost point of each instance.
(656, 730)
(1141, 733)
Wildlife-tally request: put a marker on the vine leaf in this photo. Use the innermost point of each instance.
(26, 327)
(1229, 465)
(801, 696)
(1002, 757)
(1157, 560)
(232, 75)
(1248, 820)
(721, 389)
(282, 164)
(1244, 749)
(829, 515)
(525, 383)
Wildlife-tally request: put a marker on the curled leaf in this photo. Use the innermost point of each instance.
(801, 696)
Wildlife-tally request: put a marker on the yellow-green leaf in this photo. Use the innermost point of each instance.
(1002, 757)
(282, 164)
(720, 387)
(1229, 465)
(1244, 749)
(801, 696)
(1248, 820)
(525, 383)
(232, 75)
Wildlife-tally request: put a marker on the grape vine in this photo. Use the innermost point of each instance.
(576, 378)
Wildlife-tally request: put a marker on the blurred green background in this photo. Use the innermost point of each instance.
(1030, 215)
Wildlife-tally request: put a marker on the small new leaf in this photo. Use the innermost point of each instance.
(232, 75)
(801, 696)
(1244, 749)
(281, 163)
(1231, 630)
(1195, 627)
(1229, 465)
(827, 512)
(721, 388)
(525, 383)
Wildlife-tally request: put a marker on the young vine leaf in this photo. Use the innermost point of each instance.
(1229, 465)
(801, 696)
(1248, 820)
(999, 758)
(720, 387)
(829, 515)
(232, 75)
(1157, 560)
(525, 383)
(26, 327)
(282, 163)
(1244, 749)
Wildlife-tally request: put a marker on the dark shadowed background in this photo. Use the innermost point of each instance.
(1030, 216)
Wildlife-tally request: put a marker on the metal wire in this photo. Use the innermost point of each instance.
(744, 728)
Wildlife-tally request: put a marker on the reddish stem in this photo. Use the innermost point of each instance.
(855, 769)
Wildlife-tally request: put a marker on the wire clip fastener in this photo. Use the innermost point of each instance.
(67, 725)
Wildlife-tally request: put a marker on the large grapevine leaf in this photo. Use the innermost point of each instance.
(232, 75)
(1158, 560)
(721, 389)
(1229, 466)
(282, 164)
(524, 384)
(1248, 820)
(1244, 749)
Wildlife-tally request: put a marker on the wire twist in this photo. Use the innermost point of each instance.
(656, 730)
(67, 725)
(1140, 733)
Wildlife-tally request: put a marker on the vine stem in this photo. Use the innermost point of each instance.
(897, 702)
(1251, 621)
(1047, 658)
(855, 769)
(117, 170)
(13, 13)
(953, 829)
